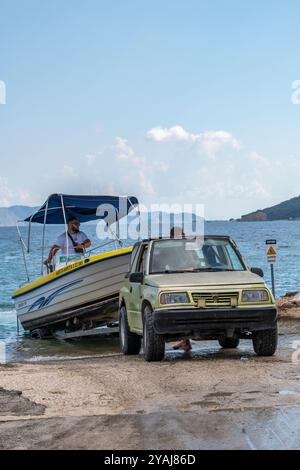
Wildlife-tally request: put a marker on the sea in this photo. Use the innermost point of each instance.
(15, 344)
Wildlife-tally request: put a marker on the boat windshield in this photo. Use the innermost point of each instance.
(193, 255)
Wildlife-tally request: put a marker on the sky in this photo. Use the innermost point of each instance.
(171, 101)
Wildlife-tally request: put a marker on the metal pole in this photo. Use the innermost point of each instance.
(118, 224)
(118, 228)
(115, 237)
(43, 239)
(25, 264)
(29, 234)
(30, 221)
(139, 214)
(66, 226)
(18, 326)
(273, 279)
(23, 252)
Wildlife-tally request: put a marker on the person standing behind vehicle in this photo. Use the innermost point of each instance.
(184, 344)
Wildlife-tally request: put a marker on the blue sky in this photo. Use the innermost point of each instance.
(93, 89)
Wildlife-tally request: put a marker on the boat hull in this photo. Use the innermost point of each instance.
(87, 290)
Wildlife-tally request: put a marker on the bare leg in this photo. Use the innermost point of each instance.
(185, 345)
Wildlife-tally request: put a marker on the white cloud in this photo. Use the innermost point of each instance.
(259, 160)
(118, 169)
(159, 134)
(162, 167)
(137, 170)
(210, 142)
(90, 159)
(210, 168)
(69, 171)
(124, 151)
(10, 196)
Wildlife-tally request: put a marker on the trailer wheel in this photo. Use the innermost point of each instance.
(41, 333)
(153, 344)
(130, 342)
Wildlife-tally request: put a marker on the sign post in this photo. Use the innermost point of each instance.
(272, 256)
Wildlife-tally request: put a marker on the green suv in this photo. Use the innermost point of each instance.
(198, 288)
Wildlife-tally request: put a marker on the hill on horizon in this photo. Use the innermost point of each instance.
(10, 215)
(286, 210)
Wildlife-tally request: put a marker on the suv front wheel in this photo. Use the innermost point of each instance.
(130, 342)
(153, 344)
(265, 342)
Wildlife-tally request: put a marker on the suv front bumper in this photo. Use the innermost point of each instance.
(191, 320)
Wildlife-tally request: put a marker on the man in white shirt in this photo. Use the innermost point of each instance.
(77, 242)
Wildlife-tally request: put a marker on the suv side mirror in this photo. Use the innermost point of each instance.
(136, 277)
(257, 271)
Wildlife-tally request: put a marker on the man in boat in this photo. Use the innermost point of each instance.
(76, 243)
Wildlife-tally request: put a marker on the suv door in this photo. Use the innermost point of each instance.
(136, 289)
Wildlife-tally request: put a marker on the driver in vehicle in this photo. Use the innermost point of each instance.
(77, 242)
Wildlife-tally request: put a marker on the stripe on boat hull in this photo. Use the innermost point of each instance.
(84, 287)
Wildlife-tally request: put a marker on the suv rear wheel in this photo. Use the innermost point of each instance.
(229, 343)
(130, 342)
(153, 344)
(265, 342)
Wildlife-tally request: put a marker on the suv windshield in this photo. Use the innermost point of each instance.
(193, 255)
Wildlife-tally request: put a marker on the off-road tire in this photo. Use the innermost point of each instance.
(265, 342)
(229, 343)
(153, 344)
(130, 343)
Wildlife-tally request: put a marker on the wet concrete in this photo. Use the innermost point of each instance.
(209, 398)
(12, 402)
(254, 429)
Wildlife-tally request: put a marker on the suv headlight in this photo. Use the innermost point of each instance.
(174, 298)
(258, 295)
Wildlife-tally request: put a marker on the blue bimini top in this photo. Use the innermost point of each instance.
(85, 208)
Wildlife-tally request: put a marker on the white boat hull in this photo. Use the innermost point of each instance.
(87, 292)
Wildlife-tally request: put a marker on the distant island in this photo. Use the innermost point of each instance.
(10, 215)
(287, 210)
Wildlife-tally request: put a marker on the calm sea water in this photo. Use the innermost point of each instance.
(249, 236)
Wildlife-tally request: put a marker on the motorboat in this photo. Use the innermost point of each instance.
(82, 292)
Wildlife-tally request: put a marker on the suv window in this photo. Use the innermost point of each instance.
(186, 255)
(142, 260)
(134, 255)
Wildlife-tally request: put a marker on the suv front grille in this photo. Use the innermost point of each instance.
(215, 299)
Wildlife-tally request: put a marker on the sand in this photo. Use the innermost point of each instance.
(208, 399)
